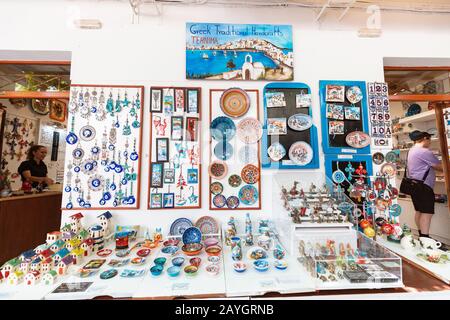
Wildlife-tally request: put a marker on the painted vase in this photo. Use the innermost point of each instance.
(236, 249)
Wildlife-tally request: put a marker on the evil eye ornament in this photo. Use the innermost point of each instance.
(107, 196)
(78, 153)
(81, 203)
(76, 189)
(113, 186)
(69, 205)
(96, 182)
(338, 177)
(102, 202)
(112, 165)
(134, 156)
(118, 169)
(67, 189)
(395, 210)
(76, 169)
(107, 169)
(115, 203)
(87, 205)
(124, 181)
(136, 124)
(94, 110)
(104, 162)
(111, 147)
(95, 150)
(71, 138)
(87, 167)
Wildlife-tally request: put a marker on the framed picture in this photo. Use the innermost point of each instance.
(168, 101)
(192, 105)
(57, 110)
(156, 100)
(191, 129)
(352, 113)
(156, 200)
(192, 176)
(169, 175)
(335, 93)
(303, 100)
(156, 174)
(162, 149)
(179, 100)
(335, 111)
(276, 126)
(168, 200)
(336, 127)
(176, 132)
(275, 99)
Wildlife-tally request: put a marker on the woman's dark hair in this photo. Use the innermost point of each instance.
(33, 149)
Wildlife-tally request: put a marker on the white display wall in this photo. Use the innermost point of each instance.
(152, 53)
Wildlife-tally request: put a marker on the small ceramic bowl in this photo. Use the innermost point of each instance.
(143, 252)
(213, 250)
(171, 242)
(239, 267)
(212, 269)
(214, 259)
(261, 265)
(192, 249)
(173, 271)
(160, 261)
(210, 242)
(178, 261)
(191, 270)
(195, 261)
(156, 270)
(138, 261)
(171, 250)
(281, 264)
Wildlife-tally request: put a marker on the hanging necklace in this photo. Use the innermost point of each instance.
(69, 205)
(73, 105)
(104, 161)
(94, 101)
(85, 110)
(110, 105)
(126, 129)
(134, 155)
(95, 152)
(118, 104)
(78, 154)
(125, 101)
(68, 187)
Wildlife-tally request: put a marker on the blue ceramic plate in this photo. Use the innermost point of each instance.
(169, 250)
(300, 122)
(192, 235)
(179, 226)
(222, 128)
(173, 271)
(280, 264)
(223, 150)
(248, 195)
(413, 110)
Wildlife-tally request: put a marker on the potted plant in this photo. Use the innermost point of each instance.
(5, 183)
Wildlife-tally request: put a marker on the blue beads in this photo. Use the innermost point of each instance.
(71, 138)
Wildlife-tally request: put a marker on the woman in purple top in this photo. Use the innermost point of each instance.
(422, 164)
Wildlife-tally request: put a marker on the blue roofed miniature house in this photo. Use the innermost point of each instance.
(60, 255)
(56, 246)
(104, 220)
(27, 255)
(36, 264)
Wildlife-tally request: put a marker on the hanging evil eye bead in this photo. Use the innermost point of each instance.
(87, 205)
(81, 202)
(136, 124)
(125, 154)
(115, 203)
(95, 163)
(102, 202)
(117, 124)
(67, 189)
(111, 147)
(113, 186)
(71, 138)
(94, 109)
(76, 189)
(107, 169)
(104, 162)
(131, 200)
(124, 181)
(134, 156)
(107, 196)
(118, 169)
(69, 205)
(112, 165)
(76, 169)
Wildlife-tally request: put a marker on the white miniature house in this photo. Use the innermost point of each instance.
(75, 222)
(50, 277)
(53, 236)
(32, 278)
(15, 278)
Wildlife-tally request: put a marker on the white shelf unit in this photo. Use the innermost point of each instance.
(421, 117)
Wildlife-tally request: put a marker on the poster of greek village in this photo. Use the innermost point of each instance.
(217, 51)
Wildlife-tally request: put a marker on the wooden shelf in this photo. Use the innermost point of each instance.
(421, 117)
(34, 94)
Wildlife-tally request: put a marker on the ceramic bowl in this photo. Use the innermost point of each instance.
(178, 261)
(192, 249)
(173, 271)
(239, 267)
(156, 270)
(143, 252)
(261, 265)
(191, 270)
(160, 261)
(210, 242)
(195, 262)
(213, 250)
(171, 242)
(212, 269)
(280, 264)
(171, 250)
(214, 259)
(138, 261)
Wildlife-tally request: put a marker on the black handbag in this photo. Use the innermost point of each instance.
(408, 185)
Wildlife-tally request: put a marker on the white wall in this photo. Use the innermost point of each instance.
(152, 53)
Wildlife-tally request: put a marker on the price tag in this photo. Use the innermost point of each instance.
(349, 150)
(180, 286)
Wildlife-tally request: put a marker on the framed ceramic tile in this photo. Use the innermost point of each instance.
(176, 131)
(156, 200)
(169, 175)
(162, 150)
(192, 176)
(156, 174)
(336, 127)
(179, 101)
(303, 100)
(275, 99)
(156, 100)
(168, 101)
(276, 126)
(193, 97)
(191, 129)
(168, 200)
(335, 93)
(352, 113)
(335, 111)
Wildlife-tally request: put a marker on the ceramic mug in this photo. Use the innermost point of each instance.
(428, 243)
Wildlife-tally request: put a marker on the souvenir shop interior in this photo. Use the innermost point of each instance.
(257, 153)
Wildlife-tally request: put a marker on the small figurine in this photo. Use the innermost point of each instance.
(248, 231)
(294, 192)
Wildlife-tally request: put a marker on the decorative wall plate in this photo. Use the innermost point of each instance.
(222, 128)
(413, 110)
(391, 157)
(87, 133)
(389, 169)
(207, 225)
(233, 202)
(179, 226)
(300, 122)
(248, 195)
(378, 158)
(250, 174)
(248, 154)
(223, 150)
(40, 106)
(357, 139)
(276, 151)
(235, 102)
(338, 176)
(216, 188)
(249, 130)
(219, 201)
(192, 235)
(301, 153)
(395, 210)
(354, 94)
(234, 180)
(218, 170)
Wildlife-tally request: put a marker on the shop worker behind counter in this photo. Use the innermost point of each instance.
(34, 169)
(422, 164)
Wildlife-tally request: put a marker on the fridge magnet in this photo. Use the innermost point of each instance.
(72, 287)
(192, 176)
(156, 174)
(179, 101)
(335, 111)
(156, 200)
(94, 264)
(300, 122)
(176, 133)
(168, 200)
(357, 139)
(156, 100)
(301, 153)
(276, 151)
(335, 93)
(169, 175)
(352, 113)
(336, 127)
(192, 106)
(191, 129)
(249, 130)
(275, 99)
(276, 126)
(168, 101)
(303, 100)
(354, 94)
(57, 110)
(162, 149)
(235, 102)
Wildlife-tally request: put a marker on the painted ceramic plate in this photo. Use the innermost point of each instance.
(413, 110)
(233, 202)
(378, 158)
(300, 122)
(234, 180)
(248, 154)
(219, 201)
(248, 195)
(338, 176)
(143, 253)
(40, 106)
(234, 102)
(357, 139)
(250, 174)
(395, 210)
(389, 169)
(138, 261)
(223, 150)
(108, 274)
(207, 225)
(345, 206)
(276, 151)
(104, 252)
(249, 130)
(391, 157)
(216, 188)
(354, 94)
(192, 235)
(218, 170)
(179, 226)
(222, 128)
(301, 153)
